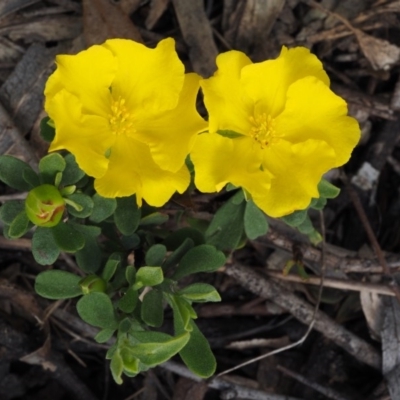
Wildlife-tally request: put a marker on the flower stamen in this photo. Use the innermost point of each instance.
(121, 120)
(263, 130)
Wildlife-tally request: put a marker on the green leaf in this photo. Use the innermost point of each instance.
(97, 309)
(127, 215)
(197, 354)
(327, 190)
(117, 367)
(104, 335)
(31, 177)
(155, 255)
(229, 134)
(128, 302)
(175, 239)
(315, 237)
(49, 166)
(47, 131)
(72, 173)
(12, 173)
(10, 210)
(131, 363)
(89, 257)
(130, 242)
(152, 311)
(183, 313)
(319, 204)
(44, 248)
(19, 226)
(255, 222)
(102, 208)
(296, 218)
(111, 266)
(203, 258)
(148, 276)
(67, 238)
(153, 354)
(306, 226)
(130, 274)
(82, 200)
(154, 219)
(227, 227)
(200, 293)
(177, 255)
(56, 284)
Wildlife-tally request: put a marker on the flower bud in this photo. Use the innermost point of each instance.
(44, 206)
(92, 283)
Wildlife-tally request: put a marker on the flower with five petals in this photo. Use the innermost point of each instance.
(275, 128)
(127, 113)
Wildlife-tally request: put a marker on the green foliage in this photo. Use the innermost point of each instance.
(200, 293)
(72, 173)
(128, 302)
(55, 284)
(104, 335)
(12, 173)
(49, 166)
(97, 309)
(203, 258)
(127, 215)
(19, 226)
(197, 354)
(295, 219)
(155, 255)
(111, 266)
(47, 131)
(68, 239)
(10, 210)
(255, 222)
(44, 247)
(227, 227)
(148, 276)
(89, 257)
(155, 218)
(175, 239)
(177, 255)
(153, 348)
(152, 311)
(102, 208)
(84, 202)
(327, 190)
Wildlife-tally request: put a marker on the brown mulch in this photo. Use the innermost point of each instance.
(352, 353)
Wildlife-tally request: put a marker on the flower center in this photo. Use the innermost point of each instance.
(263, 130)
(121, 120)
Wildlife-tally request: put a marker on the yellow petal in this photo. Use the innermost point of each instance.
(150, 80)
(297, 170)
(133, 171)
(87, 137)
(87, 75)
(313, 111)
(228, 106)
(267, 82)
(171, 134)
(219, 160)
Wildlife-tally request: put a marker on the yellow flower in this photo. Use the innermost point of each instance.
(128, 115)
(280, 129)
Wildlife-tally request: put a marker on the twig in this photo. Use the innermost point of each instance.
(335, 283)
(238, 391)
(303, 311)
(371, 236)
(330, 393)
(312, 323)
